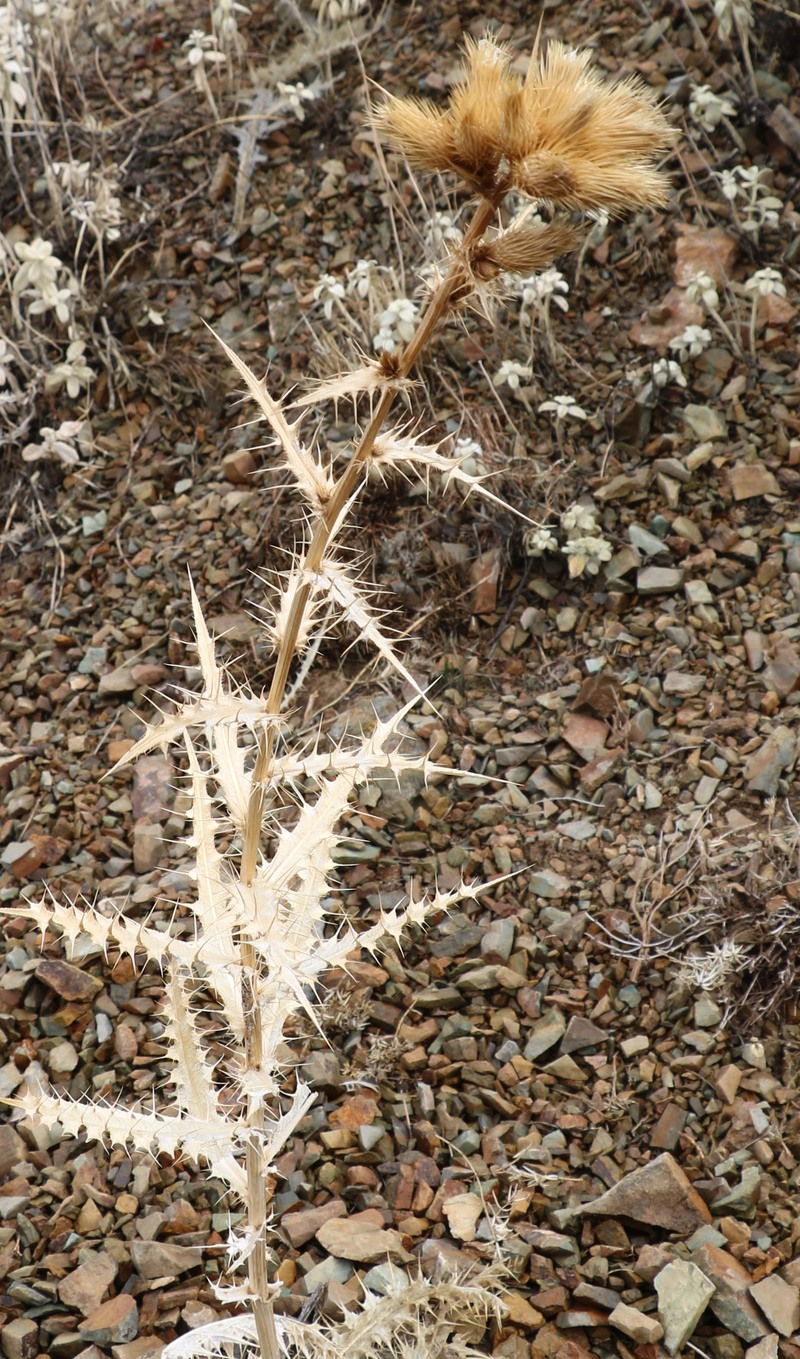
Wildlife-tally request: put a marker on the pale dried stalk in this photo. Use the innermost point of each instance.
(440, 304)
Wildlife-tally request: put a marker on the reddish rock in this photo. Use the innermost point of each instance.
(659, 1195)
(731, 1302)
(113, 1322)
(238, 467)
(83, 1289)
(666, 319)
(67, 981)
(301, 1226)
(152, 792)
(587, 735)
(701, 250)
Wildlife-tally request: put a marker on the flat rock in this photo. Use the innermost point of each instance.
(764, 1349)
(163, 1259)
(684, 1292)
(782, 674)
(666, 319)
(113, 1322)
(544, 882)
(20, 1339)
(587, 735)
(67, 981)
(704, 250)
(83, 1289)
(752, 479)
(640, 1327)
(582, 1033)
(545, 1033)
(780, 1303)
(364, 1242)
(731, 1303)
(658, 1194)
(704, 422)
(463, 1212)
(659, 580)
(765, 766)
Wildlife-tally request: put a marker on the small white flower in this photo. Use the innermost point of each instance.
(294, 96)
(666, 371)
(361, 278)
(469, 455)
(578, 520)
(55, 443)
(691, 342)
(766, 281)
(511, 374)
(702, 288)
(549, 283)
(73, 372)
(730, 13)
(397, 324)
(562, 407)
(328, 290)
(587, 553)
(707, 109)
(201, 49)
(729, 185)
(440, 228)
(6, 359)
(537, 541)
(39, 267)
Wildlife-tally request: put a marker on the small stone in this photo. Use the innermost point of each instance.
(765, 766)
(659, 580)
(704, 250)
(238, 467)
(665, 320)
(83, 1289)
(653, 797)
(705, 790)
(519, 1312)
(463, 1212)
(67, 981)
(565, 1069)
(548, 884)
(582, 1033)
(707, 1013)
(703, 422)
(62, 1059)
(365, 1242)
(685, 686)
(20, 1339)
(22, 858)
(637, 1325)
(587, 735)
(152, 791)
(752, 479)
(498, 941)
(163, 1259)
(669, 1127)
(780, 1303)
(658, 1194)
(697, 592)
(727, 1082)
(764, 1349)
(113, 1322)
(783, 671)
(544, 1034)
(119, 681)
(731, 1303)
(683, 1295)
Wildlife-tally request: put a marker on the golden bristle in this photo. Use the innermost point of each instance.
(421, 131)
(527, 249)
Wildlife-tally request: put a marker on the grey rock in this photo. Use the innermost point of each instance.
(659, 1194)
(545, 1033)
(703, 422)
(659, 580)
(765, 766)
(498, 941)
(684, 1292)
(162, 1259)
(780, 1303)
(546, 883)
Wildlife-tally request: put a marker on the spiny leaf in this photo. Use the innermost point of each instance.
(313, 479)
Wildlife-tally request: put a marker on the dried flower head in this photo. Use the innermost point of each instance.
(560, 134)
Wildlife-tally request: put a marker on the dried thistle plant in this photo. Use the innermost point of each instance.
(265, 930)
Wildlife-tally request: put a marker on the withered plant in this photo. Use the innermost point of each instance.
(264, 928)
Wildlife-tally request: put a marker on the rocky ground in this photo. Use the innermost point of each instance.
(592, 1071)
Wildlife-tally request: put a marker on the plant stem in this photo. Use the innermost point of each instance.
(441, 302)
(438, 307)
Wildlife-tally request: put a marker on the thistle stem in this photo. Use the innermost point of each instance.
(441, 302)
(438, 307)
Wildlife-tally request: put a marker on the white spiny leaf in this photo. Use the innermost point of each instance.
(200, 712)
(399, 450)
(218, 1340)
(314, 480)
(191, 1072)
(356, 610)
(213, 686)
(366, 379)
(210, 1141)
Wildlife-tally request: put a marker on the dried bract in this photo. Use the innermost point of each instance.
(560, 135)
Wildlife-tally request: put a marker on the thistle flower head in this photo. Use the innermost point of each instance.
(559, 135)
